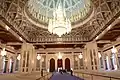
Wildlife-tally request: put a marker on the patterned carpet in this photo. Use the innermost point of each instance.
(64, 76)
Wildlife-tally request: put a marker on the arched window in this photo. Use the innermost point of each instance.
(11, 65)
(5, 64)
(91, 56)
(101, 59)
(112, 61)
(17, 62)
(106, 62)
(113, 58)
(75, 62)
(43, 60)
(81, 63)
(37, 65)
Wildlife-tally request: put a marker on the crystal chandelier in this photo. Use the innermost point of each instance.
(59, 56)
(38, 57)
(59, 24)
(18, 57)
(114, 50)
(3, 52)
(80, 56)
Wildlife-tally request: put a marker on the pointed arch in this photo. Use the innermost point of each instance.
(106, 62)
(11, 65)
(67, 64)
(52, 65)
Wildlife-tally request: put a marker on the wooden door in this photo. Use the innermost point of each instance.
(52, 65)
(59, 63)
(67, 64)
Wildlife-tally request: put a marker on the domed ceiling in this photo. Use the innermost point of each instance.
(42, 10)
(29, 18)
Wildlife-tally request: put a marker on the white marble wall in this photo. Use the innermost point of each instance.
(27, 52)
(86, 57)
(91, 48)
(55, 57)
(9, 56)
(108, 53)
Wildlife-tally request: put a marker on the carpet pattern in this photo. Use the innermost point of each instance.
(64, 76)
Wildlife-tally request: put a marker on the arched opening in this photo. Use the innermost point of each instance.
(67, 64)
(5, 63)
(101, 61)
(52, 65)
(11, 65)
(17, 62)
(106, 67)
(37, 65)
(59, 64)
(112, 60)
(106, 62)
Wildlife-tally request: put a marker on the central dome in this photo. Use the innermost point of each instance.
(42, 10)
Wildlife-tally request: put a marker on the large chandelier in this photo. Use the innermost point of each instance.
(59, 24)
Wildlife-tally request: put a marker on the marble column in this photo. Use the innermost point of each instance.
(92, 50)
(28, 58)
(72, 61)
(1, 58)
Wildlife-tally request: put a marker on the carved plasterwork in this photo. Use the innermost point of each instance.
(12, 13)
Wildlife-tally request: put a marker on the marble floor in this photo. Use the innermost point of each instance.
(17, 76)
(101, 75)
(58, 76)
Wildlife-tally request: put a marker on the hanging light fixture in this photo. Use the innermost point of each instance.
(80, 56)
(59, 24)
(59, 56)
(18, 57)
(99, 55)
(38, 57)
(3, 52)
(114, 50)
(7, 27)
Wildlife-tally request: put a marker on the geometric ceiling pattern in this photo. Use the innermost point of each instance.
(43, 9)
(12, 13)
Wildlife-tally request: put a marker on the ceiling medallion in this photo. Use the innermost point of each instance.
(59, 24)
(41, 11)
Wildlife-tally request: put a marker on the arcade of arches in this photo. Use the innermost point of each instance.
(92, 59)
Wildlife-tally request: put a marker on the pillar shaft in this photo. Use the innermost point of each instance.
(28, 58)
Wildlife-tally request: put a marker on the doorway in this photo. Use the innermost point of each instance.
(59, 64)
(11, 65)
(67, 64)
(106, 67)
(5, 63)
(52, 65)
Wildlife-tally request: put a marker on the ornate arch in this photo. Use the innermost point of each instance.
(52, 65)
(67, 64)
